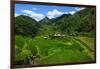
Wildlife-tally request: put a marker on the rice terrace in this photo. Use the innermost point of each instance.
(49, 34)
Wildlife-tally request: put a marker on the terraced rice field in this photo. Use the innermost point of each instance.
(52, 51)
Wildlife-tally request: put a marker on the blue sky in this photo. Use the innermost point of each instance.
(38, 12)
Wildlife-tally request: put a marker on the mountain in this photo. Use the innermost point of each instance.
(84, 20)
(60, 17)
(46, 20)
(24, 17)
(81, 21)
(25, 25)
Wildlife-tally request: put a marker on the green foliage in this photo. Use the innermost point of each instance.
(68, 56)
(65, 53)
(22, 57)
(26, 26)
(48, 50)
(46, 20)
(82, 21)
(24, 50)
(87, 40)
(19, 41)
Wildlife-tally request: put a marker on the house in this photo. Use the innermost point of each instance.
(58, 35)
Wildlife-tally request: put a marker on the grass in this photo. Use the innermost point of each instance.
(88, 40)
(66, 56)
(50, 51)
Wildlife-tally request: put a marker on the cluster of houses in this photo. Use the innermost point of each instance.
(59, 35)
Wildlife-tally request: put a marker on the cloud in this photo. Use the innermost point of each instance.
(82, 8)
(72, 12)
(34, 15)
(34, 8)
(78, 9)
(54, 13)
(16, 14)
(50, 14)
(66, 12)
(27, 11)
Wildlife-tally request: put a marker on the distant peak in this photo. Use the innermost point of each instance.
(46, 18)
(24, 17)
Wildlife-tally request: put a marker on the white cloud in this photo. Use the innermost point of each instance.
(72, 12)
(66, 12)
(34, 8)
(16, 14)
(78, 9)
(55, 13)
(50, 14)
(34, 15)
(82, 8)
(27, 11)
